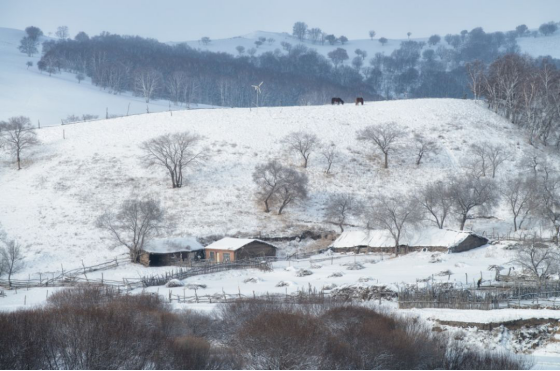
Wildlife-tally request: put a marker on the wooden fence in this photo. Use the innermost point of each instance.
(182, 273)
(506, 295)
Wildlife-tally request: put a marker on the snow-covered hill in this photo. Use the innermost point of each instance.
(28, 92)
(534, 46)
(248, 41)
(51, 205)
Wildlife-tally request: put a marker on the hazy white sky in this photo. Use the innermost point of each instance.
(176, 20)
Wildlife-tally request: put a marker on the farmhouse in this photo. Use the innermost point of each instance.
(231, 249)
(430, 239)
(170, 251)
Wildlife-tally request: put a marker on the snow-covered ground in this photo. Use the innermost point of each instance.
(52, 204)
(48, 99)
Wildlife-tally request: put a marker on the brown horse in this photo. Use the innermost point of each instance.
(359, 100)
(337, 101)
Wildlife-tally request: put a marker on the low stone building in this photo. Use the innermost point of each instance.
(427, 239)
(232, 249)
(171, 251)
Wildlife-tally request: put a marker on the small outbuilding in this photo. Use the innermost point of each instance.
(429, 239)
(232, 249)
(171, 251)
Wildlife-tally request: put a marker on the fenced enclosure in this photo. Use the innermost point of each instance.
(515, 295)
(183, 273)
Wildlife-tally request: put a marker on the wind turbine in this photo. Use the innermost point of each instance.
(258, 91)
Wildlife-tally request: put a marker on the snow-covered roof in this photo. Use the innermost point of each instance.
(382, 238)
(171, 245)
(230, 243)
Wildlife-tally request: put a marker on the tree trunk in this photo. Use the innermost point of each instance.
(463, 221)
(18, 162)
(386, 166)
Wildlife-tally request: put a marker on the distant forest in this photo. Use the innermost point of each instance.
(294, 75)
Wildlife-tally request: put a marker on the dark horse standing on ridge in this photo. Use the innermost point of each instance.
(359, 100)
(337, 101)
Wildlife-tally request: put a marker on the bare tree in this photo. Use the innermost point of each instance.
(240, 49)
(384, 137)
(436, 199)
(205, 40)
(424, 147)
(17, 136)
(302, 143)
(277, 183)
(299, 30)
(521, 196)
(395, 213)
(174, 152)
(479, 164)
(549, 203)
(536, 259)
(330, 153)
(62, 32)
(475, 72)
(497, 155)
(176, 83)
(371, 34)
(11, 259)
(136, 222)
(339, 207)
(269, 178)
(147, 82)
(468, 192)
(292, 189)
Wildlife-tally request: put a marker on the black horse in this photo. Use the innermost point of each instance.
(337, 101)
(359, 100)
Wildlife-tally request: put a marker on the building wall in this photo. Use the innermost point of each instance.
(252, 250)
(255, 249)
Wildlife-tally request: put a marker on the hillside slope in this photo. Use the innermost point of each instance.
(51, 205)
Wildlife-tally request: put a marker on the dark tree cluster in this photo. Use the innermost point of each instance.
(155, 70)
(99, 328)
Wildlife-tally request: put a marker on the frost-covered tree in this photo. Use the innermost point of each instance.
(424, 148)
(34, 33)
(278, 183)
(299, 30)
(339, 207)
(537, 260)
(357, 63)
(434, 40)
(11, 258)
(314, 35)
(371, 34)
(17, 136)
(436, 200)
(81, 37)
(147, 82)
(62, 32)
(28, 46)
(302, 143)
(330, 154)
(521, 196)
(338, 56)
(134, 224)
(548, 28)
(383, 137)
(175, 153)
(343, 39)
(383, 41)
(175, 84)
(521, 30)
(240, 49)
(331, 39)
(205, 40)
(549, 203)
(395, 213)
(468, 192)
(292, 189)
